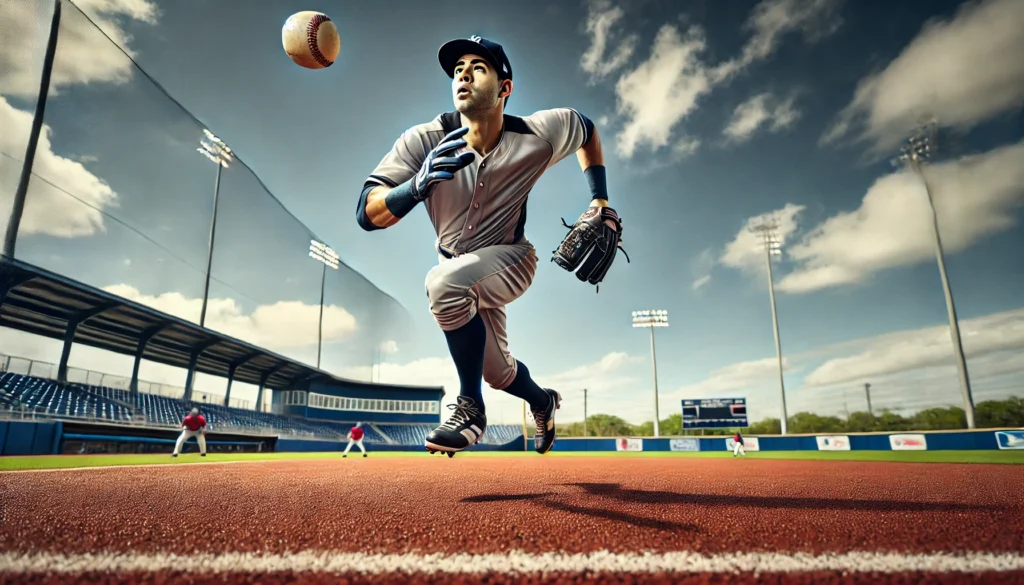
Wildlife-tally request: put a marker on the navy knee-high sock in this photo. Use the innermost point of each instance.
(524, 387)
(466, 345)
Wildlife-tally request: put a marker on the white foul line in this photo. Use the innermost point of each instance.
(515, 562)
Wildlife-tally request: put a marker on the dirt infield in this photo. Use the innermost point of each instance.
(500, 519)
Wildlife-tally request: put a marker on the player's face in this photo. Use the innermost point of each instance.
(475, 87)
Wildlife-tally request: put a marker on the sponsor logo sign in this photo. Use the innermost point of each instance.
(908, 442)
(629, 444)
(684, 444)
(749, 444)
(1010, 439)
(833, 443)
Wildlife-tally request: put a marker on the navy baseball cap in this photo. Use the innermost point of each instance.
(452, 51)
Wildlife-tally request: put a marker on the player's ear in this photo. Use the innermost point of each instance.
(506, 88)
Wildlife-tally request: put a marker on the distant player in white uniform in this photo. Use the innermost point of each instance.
(472, 169)
(193, 425)
(355, 437)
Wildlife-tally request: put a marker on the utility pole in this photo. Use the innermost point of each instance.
(915, 153)
(867, 394)
(772, 247)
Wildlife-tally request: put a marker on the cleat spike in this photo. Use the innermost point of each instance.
(451, 454)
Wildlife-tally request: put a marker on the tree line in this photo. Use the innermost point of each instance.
(987, 414)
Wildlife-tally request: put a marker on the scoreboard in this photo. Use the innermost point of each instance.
(711, 413)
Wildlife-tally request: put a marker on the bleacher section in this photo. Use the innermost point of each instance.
(18, 391)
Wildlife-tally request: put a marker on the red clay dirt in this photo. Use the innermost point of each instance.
(542, 504)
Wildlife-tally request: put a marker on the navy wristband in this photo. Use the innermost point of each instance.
(596, 180)
(400, 201)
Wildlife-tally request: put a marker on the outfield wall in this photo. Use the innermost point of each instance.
(50, 438)
(989, 439)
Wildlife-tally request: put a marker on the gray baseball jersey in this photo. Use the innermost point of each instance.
(485, 204)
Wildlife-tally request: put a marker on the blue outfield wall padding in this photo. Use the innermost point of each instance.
(973, 440)
(42, 442)
(57, 447)
(869, 443)
(151, 440)
(3, 435)
(20, 436)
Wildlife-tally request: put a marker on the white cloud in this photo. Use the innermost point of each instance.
(48, 211)
(660, 92)
(280, 326)
(909, 350)
(746, 250)
(964, 71)
(25, 27)
(701, 282)
(686, 146)
(601, 16)
(761, 110)
(770, 20)
(975, 196)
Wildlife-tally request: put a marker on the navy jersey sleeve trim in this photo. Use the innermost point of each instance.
(517, 125)
(361, 217)
(588, 127)
(382, 180)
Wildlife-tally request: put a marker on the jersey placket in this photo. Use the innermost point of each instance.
(472, 224)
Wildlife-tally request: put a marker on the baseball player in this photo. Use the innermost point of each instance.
(193, 425)
(737, 446)
(355, 437)
(472, 169)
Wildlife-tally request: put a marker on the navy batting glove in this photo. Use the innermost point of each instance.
(438, 167)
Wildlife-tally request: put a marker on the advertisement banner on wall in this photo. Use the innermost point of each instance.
(749, 444)
(684, 444)
(629, 445)
(1010, 439)
(908, 442)
(833, 443)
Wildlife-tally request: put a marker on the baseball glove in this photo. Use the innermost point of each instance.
(590, 246)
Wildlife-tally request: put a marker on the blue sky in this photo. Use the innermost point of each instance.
(711, 116)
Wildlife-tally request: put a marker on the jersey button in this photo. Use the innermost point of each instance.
(481, 184)
(470, 227)
(476, 206)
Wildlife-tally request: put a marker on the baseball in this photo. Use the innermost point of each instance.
(310, 39)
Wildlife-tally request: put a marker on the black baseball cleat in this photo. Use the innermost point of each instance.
(545, 419)
(464, 428)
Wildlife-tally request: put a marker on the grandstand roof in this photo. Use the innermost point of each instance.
(38, 301)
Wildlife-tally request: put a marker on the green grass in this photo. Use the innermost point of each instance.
(72, 461)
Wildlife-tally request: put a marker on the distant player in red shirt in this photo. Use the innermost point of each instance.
(355, 437)
(737, 448)
(193, 425)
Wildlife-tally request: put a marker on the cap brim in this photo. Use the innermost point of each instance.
(450, 53)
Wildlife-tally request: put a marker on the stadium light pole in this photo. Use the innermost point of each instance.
(21, 191)
(323, 253)
(652, 319)
(220, 154)
(915, 154)
(772, 247)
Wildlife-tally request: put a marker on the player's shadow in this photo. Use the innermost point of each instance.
(616, 492)
(596, 512)
(502, 498)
